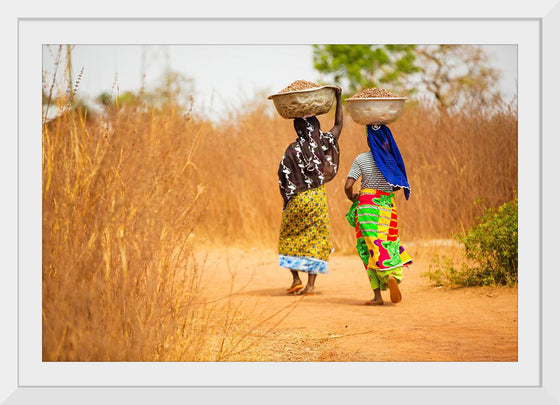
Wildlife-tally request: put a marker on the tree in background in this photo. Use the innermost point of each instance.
(457, 73)
(450, 74)
(356, 67)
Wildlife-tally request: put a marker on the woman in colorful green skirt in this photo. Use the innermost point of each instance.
(374, 214)
(308, 163)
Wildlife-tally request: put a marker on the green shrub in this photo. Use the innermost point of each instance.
(490, 249)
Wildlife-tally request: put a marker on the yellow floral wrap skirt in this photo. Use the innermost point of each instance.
(304, 242)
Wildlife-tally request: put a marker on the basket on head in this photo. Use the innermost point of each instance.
(375, 111)
(304, 103)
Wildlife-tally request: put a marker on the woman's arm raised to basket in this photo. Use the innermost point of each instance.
(337, 128)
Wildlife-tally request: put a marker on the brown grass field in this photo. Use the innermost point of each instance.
(146, 211)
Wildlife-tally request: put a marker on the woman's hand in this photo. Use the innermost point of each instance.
(348, 189)
(338, 114)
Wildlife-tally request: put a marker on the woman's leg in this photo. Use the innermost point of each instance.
(374, 282)
(296, 284)
(391, 279)
(310, 287)
(373, 252)
(311, 283)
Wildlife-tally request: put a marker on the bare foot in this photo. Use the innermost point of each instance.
(396, 295)
(374, 301)
(306, 291)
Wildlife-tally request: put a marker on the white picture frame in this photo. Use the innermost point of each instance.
(25, 379)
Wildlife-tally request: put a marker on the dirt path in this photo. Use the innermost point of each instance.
(430, 324)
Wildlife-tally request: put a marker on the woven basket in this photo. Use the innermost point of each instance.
(375, 111)
(304, 103)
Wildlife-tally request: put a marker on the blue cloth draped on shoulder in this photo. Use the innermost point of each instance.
(387, 157)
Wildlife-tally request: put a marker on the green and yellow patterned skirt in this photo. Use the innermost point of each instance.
(374, 216)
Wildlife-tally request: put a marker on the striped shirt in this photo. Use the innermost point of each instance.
(365, 166)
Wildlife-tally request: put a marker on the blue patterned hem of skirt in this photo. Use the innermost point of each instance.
(306, 264)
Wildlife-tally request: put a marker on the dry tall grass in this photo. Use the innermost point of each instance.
(126, 195)
(120, 279)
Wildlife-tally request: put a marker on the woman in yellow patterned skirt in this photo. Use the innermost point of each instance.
(308, 163)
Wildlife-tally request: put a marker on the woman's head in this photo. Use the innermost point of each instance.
(377, 130)
(300, 124)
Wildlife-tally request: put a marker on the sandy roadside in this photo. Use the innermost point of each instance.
(430, 324)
